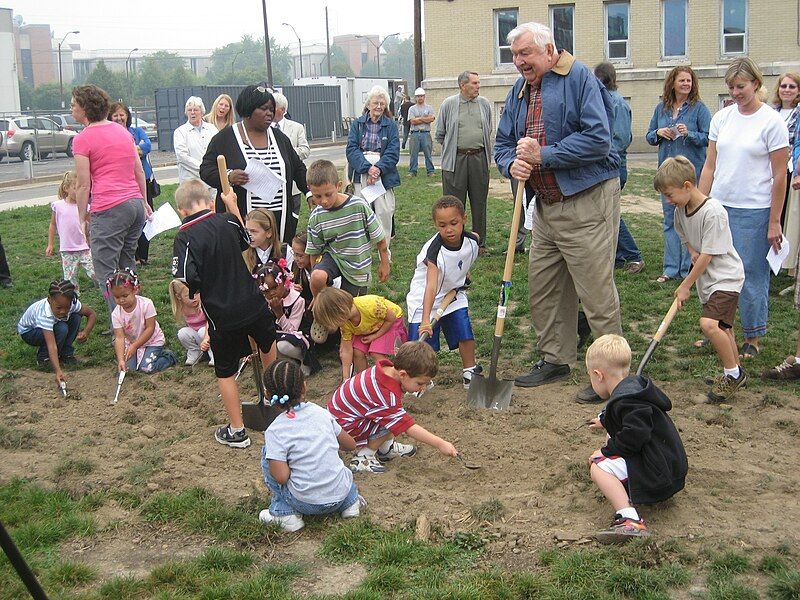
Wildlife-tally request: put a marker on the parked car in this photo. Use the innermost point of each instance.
(25, 137)
(67, 121)
(149, 128)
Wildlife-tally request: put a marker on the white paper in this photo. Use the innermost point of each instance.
(371, 192)
(263, 182)
(775, 259)
(528, 206)
(163, 219)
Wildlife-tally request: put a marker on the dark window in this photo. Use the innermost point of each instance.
(562, 22)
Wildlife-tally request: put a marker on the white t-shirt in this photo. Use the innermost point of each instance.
(743, 173)
(307, 442)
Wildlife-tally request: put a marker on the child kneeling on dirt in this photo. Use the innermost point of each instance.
(368, 406)
(300, 461)
(717, 270)
(643, 460)
(443, 265)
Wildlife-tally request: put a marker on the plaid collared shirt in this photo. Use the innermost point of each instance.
(371, 141)
(542, 180)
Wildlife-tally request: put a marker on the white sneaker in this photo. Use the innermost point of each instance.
(354, 510)
(366, 464)
(397, 450)
(288, 523)
(192, 357)
(468, 373)
(210, 358)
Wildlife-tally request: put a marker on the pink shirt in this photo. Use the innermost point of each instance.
(112, 160)
(196, 320)
(70, 236)
(132, 324)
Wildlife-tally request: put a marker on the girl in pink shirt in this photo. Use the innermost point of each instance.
(138, 339)
(72, 244)
(189, 316)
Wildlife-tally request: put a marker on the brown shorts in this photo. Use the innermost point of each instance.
(721, 306)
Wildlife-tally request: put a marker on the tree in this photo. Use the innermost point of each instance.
(243, 62)
(398, 63)
(46, 97)
(112, 83)
(340, 67)
(160, 69)
(25, 95)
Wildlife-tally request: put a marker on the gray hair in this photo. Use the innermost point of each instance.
(542, 34)
(195, 101)
(464, 77)
(377, 91)
(280, 101)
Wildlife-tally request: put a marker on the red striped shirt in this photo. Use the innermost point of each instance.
(368, 402)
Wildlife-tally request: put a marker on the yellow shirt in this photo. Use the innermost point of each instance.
(373, 311)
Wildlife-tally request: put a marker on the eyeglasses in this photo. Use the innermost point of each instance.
(788, 86)
(264, 90)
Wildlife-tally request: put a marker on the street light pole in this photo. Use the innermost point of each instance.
(127, 75)
(300, 44)
(267, 49)
(378, 47)
(60, 76)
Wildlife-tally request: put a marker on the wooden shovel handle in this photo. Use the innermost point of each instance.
(662, 329)
(448, 298)
(222, 167)
(509, 266)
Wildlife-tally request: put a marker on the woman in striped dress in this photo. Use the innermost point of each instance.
(252, 139)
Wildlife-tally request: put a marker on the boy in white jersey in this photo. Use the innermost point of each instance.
(443, 265)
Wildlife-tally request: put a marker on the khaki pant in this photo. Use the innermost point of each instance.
(572, 258)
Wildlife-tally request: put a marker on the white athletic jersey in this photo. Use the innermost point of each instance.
(454, 265)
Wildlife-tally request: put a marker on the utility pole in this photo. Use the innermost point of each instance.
(128, 77)
(328, 42)
(267, 48)
(300, 44)
(418, 75)
(61, 78)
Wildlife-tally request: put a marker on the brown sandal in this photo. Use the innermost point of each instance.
(663, 279)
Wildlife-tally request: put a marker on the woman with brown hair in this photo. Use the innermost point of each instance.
(679, 126)
(221, 113)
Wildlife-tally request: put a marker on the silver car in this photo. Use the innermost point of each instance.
(29, 138)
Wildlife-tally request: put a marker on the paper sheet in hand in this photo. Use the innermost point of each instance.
(371, 192)
(774, 259)
(163, 219)
(263, 182)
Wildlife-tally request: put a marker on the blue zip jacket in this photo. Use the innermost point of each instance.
(578, 117)
(390, 151)
(697, 119)
(142, 141)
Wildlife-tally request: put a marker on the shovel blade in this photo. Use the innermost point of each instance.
(258, 416)
(489, 392)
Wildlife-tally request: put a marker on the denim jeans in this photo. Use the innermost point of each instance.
(627, 250)
(155, 359)
(676, 257)
(65, 333)
(749, 230)
(284, 504)
(420, 141)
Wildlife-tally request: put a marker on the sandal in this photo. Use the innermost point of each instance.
(701, 343)
(748, 351)
(663, 279)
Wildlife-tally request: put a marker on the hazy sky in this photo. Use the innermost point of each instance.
(208, 24)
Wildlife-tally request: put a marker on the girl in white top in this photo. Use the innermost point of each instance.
(745, 170)
(301, 463)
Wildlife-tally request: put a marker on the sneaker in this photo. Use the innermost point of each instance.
(193, 357)
(318, 333)
(541, 373)
(68, 360)
(354, 510)
(412, 173)
(725, 386)
(366, 464)
(287, 523)
(43, 362)
(239, 439)
(397, 450)
(622, 530)
(588, 396)
(467, 375)
(633, 268)
(6, 283)
(788, 370)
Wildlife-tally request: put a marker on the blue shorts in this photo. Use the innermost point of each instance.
(457, 328)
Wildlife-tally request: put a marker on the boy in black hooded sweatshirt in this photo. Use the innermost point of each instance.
(643, 460)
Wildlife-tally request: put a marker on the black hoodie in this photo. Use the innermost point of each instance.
(642, 433)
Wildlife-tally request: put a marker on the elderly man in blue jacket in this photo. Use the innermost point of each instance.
(555, 135)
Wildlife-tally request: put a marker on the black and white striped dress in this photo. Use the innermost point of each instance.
(268, 156)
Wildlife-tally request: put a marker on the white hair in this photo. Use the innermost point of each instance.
(195, 101)
(280, 100)
(378, 91)
(542, 34)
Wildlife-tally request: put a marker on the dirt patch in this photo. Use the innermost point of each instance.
(533, 457)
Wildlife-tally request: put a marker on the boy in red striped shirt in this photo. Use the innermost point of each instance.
(369, 408)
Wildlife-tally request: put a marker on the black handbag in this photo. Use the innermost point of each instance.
(156, 187)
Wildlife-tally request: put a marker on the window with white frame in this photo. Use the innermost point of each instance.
(562, 22)
(673, 28)
(505, 19)
(734, 26)
(617, 24)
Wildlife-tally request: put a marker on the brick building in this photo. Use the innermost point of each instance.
(644, 39)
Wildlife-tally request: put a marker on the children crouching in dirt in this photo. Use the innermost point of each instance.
(643, 460)
(368, 406)
(300, 460)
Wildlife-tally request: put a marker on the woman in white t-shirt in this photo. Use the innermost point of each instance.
(745, 170)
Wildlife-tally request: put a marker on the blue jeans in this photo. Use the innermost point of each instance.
(676, 257)
(284, 504)
(155, 359)
(65, 333)
(420, 140)
(749, 230)
(627, 250)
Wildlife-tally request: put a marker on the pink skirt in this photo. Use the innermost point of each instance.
(385, 344)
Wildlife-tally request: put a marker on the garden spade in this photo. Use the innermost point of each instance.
(492, 392)
(120, 379)
(662, 329)
(258, 415)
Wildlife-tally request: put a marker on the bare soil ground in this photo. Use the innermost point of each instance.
(742, 488)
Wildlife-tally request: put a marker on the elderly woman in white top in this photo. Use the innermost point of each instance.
(190, 140)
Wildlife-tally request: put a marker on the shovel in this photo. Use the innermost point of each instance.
(662, 329)
(222, 167)
(258, 415)
(448, 298)
(120, 379)
(492, 392)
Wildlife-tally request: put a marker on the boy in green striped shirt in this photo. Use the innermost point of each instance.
(341, 232)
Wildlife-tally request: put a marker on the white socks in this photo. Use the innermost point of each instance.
(735, 372)
(629, 513)
(368, 452)
(386, 446)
